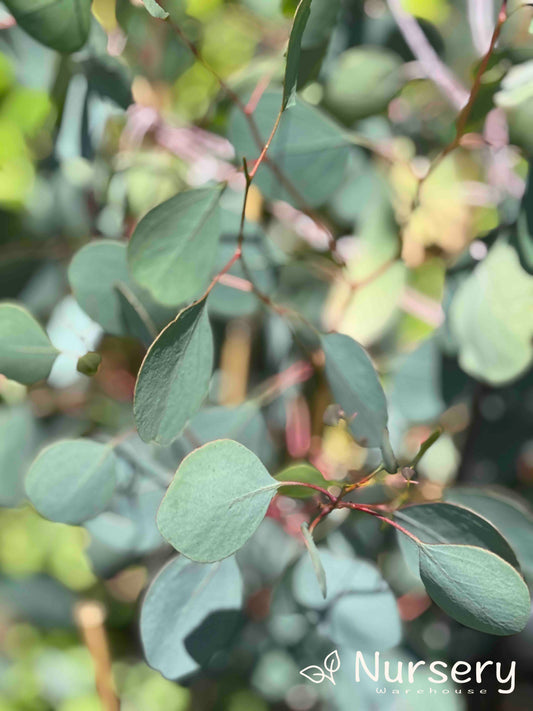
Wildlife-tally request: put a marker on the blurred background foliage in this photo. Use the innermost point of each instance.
(91, 140)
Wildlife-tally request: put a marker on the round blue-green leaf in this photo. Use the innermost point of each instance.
(360, 609)
(100, 281)
(60, 24)
(510, 516)
(218, 498)
(173, 249)
(475, 587)
(189, 613)
(446, 523)
(72, 480)
(174, 376)
(26, 353)
(355, 387)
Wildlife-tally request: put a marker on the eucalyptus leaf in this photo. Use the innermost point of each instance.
(72, 480)
(110, 297)
(446, 523)
(17, 437)
(475, 587)
(492, 320)
(509, 515)
(218, 498)
(360, 609)
(306, 473)
(173, 248)
(60, 24)
(155, 9)
(174, 376)
(355, 387)
(363, 81)
(293, 54)
(315, 559)
(26, 353)
(310, 149)
(188, 602)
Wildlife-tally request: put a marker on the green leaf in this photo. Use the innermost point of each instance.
(174, 376)
(135, 317)
(173, 248)
(218, 498)
(60, 24)
(303, 472)
(155, 9)
(492, 320)
(72, 480)
(360, 609)
(189, 613)
(356, 388)
(293, 54)
(511, 517)
(362, 82)
(89, 363)
(103, 298)
(310, 149)
(446, 523)
(315, 560)
(26, 354)
(17, 437)
(475, 587)
(316, 37)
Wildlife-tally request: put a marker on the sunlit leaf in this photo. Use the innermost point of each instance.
(218, 498)
(174, 376)
(173, 248)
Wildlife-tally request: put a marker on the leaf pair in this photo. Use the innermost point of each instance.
(467, 567)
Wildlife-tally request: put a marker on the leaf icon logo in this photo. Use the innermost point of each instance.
(317, 674)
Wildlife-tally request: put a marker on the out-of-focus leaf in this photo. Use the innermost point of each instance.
(416, 386)
(315, 559)
(361, 611)
(218, 498)
(363, 82)
(189, 613)
(17, 435)
(174, 376)
(72, 480)
(309, 148)
(173, 248)
(101, 298)
(26, 354)
(60, 24)
(155, 9)
(492, 319)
